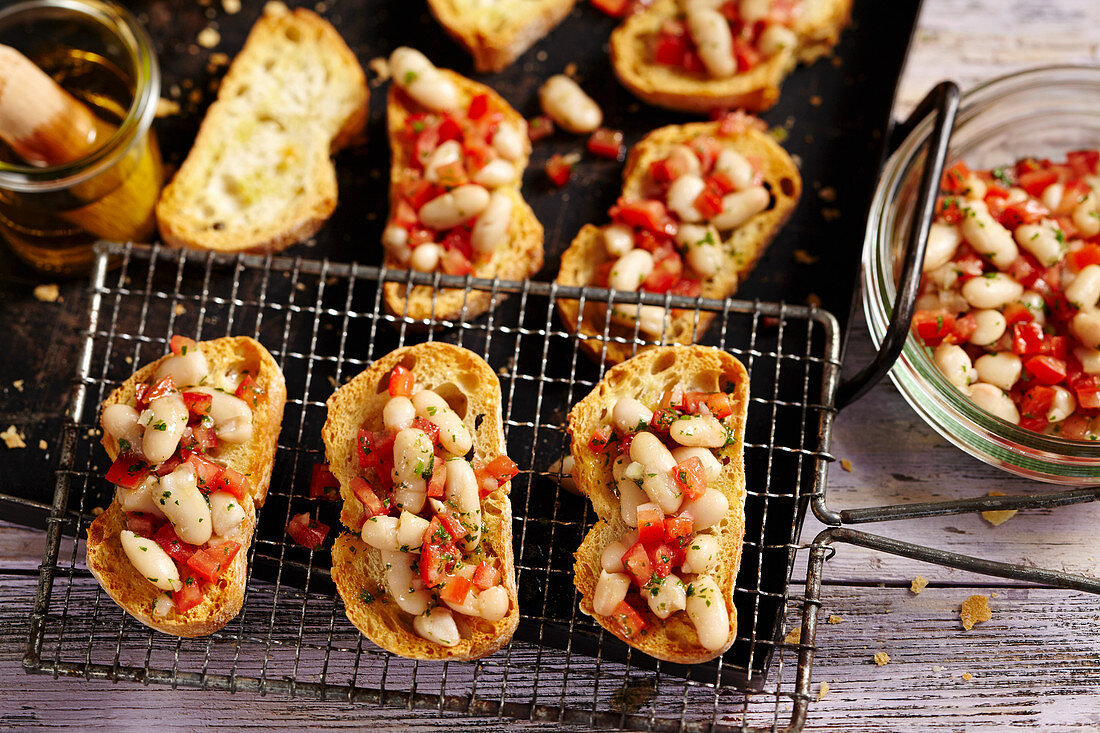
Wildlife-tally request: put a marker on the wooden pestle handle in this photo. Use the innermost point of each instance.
(40, 121)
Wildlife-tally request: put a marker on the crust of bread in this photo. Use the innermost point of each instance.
(818, 30)
(743, 247)
(499, 33)
(646, 377)
(473, 389)
(517, 259)
(339, 122)
(107, 560)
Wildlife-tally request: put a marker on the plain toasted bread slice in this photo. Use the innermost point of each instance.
(260, 176)
(648, 377)
(498, 33)
(519, 257)
(222, 601)
(472, 389)
(817, 29)
(743, 247)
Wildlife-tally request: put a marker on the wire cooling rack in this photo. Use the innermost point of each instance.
(324, 322)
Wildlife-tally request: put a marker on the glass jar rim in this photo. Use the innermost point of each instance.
(122, 24)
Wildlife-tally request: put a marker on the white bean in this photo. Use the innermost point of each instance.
(398, 413)
(493, 603)
(491, 228)
(410, 532)
(630, 415)
(1086, 326)
(955, 365)
(992, 290)
(682, 194)
(704, 254)
(975, 188)
(610, 591)
(164, 422)
(499, 172)
(508, 141)
(648, 450)
(618, 239)
(567, 104)
(698, 430)
(1035, 303)
(611, 560)
(164, 605)
(448, 153)
(1086, 215)
(737, 167)
(651, 319)
(404, 584)
(670, 596)
(438, 625)
(681, 157)
(701, 555)
(709, 509)
(1041, 240)
(775, 39)
(631, 270)
(1052, 195)
(150, 561)
(143, 499)
(751, 11)
(987, 235)
(707, 610)
(226, 512)
(396, 241)
(618, 467)
(469, 605)
(414, 73)
(454, 436)
(991, 326)
(994, 401)
(1089, 358)
(1001, 369)
(454, 207)
(711, 32)
(657, 481)
(1062, 406)
(461, 488)
(1084, 291)
(711, 465)
(740, 206)
(121, 423)
(630, 497)
(425, 257)
(413, 457)
(185, 506)
(381, 532)
(231, 415)
(186, 369)
(943, 240)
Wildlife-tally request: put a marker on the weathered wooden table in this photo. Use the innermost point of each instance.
(1036, 663)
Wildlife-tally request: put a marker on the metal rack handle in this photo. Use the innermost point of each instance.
(943, 103)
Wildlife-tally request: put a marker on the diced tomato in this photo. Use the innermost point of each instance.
(662, 560)
(679, 531)
(198, 403)
(435, 562)
(401, 382)
(1088, 392)
(1035, 424)
(1035, 182)
(1025, 269)
(190, 595)
(141, 524)
(486, 575)
(949, 209)
(248, 390)
(207, 473)
(1017, 312)
(737, 122)
(1027, 338)
(747, 55)
(1075, 427)
(651, 524)
(201, 438)
(708, 203)
(1023, 212)
(128, 471)
(235, 482)
(1046, 369)
(606, 143)
(210, 562)
(164, 387)
(1073, 194)
(667, 271)
(455, 589)
(994, 190)
(427, 426)
(662, 420)
(476, 154)
(933, 326)
(421, 192)
(306, 531)
(625, 442)
(670, 49)
(600, 439)
(486, 484)
(1083, 162)
(540, 127)
(690, 477)
(692, 61)
(1036, 402)
(479, 105)
(172, 545)
(449, 129)
(627, 621)
(171, 464)
(452, 175)
(649, 214)
(323, 484)
(502, 468)
(438, 484)
(969, 266)
(180, 345)
(687, 287)
(372, 505)
(456, 263)
(954, 178)
(559, 169)
(458, 238)
(1055, 346)
(720, 183)
(636, 560)
(720, 404)
(964, 328)
(1087, 255)
(614, 8)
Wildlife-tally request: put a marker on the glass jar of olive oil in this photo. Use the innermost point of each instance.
(98, 52)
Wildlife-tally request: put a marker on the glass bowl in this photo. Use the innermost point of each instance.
(1041, 112)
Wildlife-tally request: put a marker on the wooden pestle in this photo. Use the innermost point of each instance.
(47, 126)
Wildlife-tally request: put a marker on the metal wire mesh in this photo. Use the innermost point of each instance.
(324, 322)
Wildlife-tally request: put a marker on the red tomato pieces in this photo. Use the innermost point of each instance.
(372, 505)
(210, 562)
(486, 575)
(437, 486)
(323, 484)
(559, 168)
(661, 561)
(427, 426)
(172, 545)
(502, 468)
(141, 524)
(614, 8)
(1046, 369)
(454, 262)
(933, 326)
(651, 524)
(455, 590)
(207, 473)
(600, 439)
(180, 345)
(1027, 338)
(162, 388)
(190, 595)
(306, 531)
(479, 105)
(249, 391)
(637, 563)
(235, 482)
(954, 178)
(690, 478)
(606, 143)
(628, 622)
(128, 471)
(540, 127)
(402, 381)
(198, 403)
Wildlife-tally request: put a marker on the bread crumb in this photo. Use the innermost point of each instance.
(380, 65)
(570, 70)
(822, 690)
(167, 108)
(827, 194)
(47, 293)
(997, 518)
(834, 619)
(96, 511)
(129, 360)
(320, 7)
(815, 100)
(975, 610)
(12, 438)
(541, 56)
(179, 310)
(937, 667)
(219, 59)
(882, 659)
(794, 636)
(846, 464)
(830, 214)
(208, 37)
(231, 7)
(18, 384)
(195, 96)
(43, 445)
(967, 676)
(803, 257)
(813, 299)
(919, 583)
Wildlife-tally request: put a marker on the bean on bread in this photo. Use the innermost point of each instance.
(498, 33)
(417, 444)
(458, 155)
(201, 423)
(260, 176)
(702, 55)
(700, 204)
(659, 566)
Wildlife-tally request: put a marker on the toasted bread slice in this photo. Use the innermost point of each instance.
(742, 249)
(498, 33)
(647, 378)
(472, 388)
(519, 257)
(817, 29)
(222, 601)
(259, 177)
